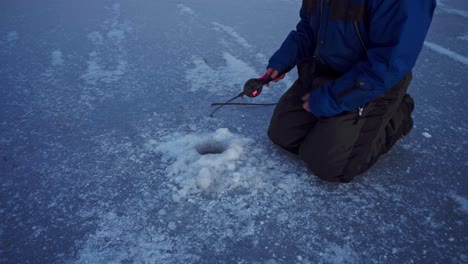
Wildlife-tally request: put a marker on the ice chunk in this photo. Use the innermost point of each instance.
(426, 135)
(172, 226)
(205, 178)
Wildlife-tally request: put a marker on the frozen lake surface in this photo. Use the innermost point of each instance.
(104, 120)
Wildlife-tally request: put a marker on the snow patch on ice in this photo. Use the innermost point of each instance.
(185, 9)
(231, 32)
(233, 74)
(96, 73)
(207, 163)
(96, 38)
(56, 63)
(464, 37)
(116, 34)
(451, 10)
(461, 201)
(444, 51)
(261, 57)
(57, 58)
(125, 239)
(202, 76)
(340, 254)
(12, 36)
(99, 69)
(118, 31)
(116, 9)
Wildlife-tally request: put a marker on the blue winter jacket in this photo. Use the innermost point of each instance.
(373, 43)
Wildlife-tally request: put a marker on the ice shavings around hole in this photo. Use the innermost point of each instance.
(224, 166)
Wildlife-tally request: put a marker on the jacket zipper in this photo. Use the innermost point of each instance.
(358, 32)
(320, 28)
(359, 115)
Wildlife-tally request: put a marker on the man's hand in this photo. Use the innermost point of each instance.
(305, 105)
(274, 75)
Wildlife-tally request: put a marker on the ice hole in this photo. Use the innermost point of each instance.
(210, 147)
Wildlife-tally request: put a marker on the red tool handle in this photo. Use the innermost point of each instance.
(253, 87)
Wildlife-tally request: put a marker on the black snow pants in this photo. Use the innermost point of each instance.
(341, 147)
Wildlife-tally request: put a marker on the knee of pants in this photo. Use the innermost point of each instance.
(278, 137)
(272, 134)
(326, 168)
(325, 172)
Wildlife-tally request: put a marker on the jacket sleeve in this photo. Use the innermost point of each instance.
(299, 44)
(397, 30)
